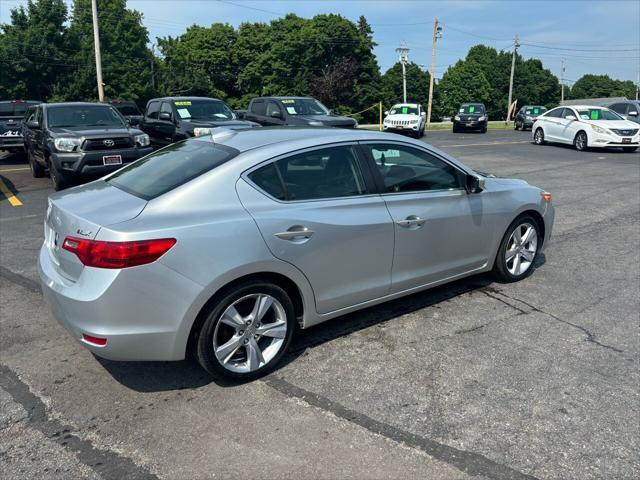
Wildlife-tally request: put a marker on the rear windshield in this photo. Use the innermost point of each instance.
(472, 109)
(535, 110)
(170, 167)
(15, 109)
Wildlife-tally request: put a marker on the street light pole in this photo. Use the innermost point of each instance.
(403, 54)
(96, 45)
(437, 33)
(562, 82)
(516, 44)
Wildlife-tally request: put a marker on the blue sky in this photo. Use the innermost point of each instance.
(592, 36)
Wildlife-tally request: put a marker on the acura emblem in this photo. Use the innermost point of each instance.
(108, 142)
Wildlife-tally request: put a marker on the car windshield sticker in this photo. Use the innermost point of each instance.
(462, 110)
(595, 114)
(288, 101)
(405, 110)
(182, 102)
(291, 110)
(472, 109)
(184, 113)
(536, 111)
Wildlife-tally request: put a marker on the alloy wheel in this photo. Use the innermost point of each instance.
(250, 333)
(581, 141)
(539, 136)
(521, 249)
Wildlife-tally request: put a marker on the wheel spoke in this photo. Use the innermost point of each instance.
(510, 254)
(527, 235)
(254, 355)
(516, 265)
(528, 255)
(225, 352)
(276, 330)
(261, 307)
(232, 318)
(517, 236)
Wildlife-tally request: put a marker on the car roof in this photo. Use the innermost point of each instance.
(252, 138)
(184, 98)
(283, 97)
(585, 106)
(77, 104)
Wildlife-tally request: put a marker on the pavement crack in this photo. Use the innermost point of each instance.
(469, 462)
(106, 463)
(589, 335)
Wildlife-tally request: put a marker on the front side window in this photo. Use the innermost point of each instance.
(170, 167)
(407, 169)
(568, 113)
(84, 116)
(210, 110)
(325, 173)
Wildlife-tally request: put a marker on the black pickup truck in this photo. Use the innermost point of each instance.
(171, 119)
(79, 140)
(287, 111)
(11, 115)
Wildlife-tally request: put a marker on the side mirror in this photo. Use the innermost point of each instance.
(423, 114)
(570, 117)
(134, 121)
(386, 112)
(332, 111)
(33, 124)
(164, 116)
(275, 114)
(474, 184)
(633, 113)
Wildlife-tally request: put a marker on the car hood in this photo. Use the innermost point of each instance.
(330, 120)
(94, 132)
(221, 123)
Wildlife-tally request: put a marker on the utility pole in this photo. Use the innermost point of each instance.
(403, 53)
(637, 85)
(516, 44)
(437, 33)
(96, 44)
(562, 82)
(152, 62)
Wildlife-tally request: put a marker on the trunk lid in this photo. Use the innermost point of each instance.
(10, 126)
(81, 212)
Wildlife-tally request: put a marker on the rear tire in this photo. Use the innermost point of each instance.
(515, 126)
(517, 253)
(37, 170)
(581, 142)
(250, 354)
(538, 137)
(629, 149)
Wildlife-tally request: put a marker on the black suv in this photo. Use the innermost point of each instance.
(77, 139)
(471, 116)
(170, 119)
(129, 111)
(11, 115)
(527, 115)
(285, 111)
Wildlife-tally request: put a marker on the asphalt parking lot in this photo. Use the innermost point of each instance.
(475, 379)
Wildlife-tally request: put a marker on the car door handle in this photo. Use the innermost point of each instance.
(296, 233)
(412, 221)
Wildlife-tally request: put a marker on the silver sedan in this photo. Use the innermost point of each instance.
(224, 245)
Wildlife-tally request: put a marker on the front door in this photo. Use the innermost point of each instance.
(316, 212)
(440, 229)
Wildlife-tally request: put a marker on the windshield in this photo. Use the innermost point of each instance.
(598, 114)
(535, 111)
(14, 109)
(403, 110)
(170, 167)
(84, 116)
(212, 110)
(473, 108)
(128, 110)
(304, 106)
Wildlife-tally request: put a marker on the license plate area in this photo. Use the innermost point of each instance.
(626, 140)
(112, 160)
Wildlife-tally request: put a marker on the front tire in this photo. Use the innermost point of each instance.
(58, 180)
(538, 137)
(455, 128)
(247, 332)
(484, 129)
(581, 142)
(518, 250)
(37, 170)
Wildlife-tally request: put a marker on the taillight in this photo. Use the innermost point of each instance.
(99, 254)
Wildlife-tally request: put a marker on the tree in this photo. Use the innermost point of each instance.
(417, 85)
(126, 59)
(599, 86)
(463, 82)
(32, 52)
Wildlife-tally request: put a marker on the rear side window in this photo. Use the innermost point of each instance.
(171, 167)
(152, 109)
(258, 107)
(268, 179)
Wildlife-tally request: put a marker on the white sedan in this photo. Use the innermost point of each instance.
(586, 127)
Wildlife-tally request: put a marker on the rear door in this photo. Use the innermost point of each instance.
(317, 210)
(440, 229)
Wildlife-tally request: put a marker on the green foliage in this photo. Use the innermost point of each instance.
(463, 82)
(417, 85)
(598, 86)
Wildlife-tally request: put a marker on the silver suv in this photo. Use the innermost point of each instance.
(226, 244)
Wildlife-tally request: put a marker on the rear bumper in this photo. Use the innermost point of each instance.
(139, 310)
(92, 164)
